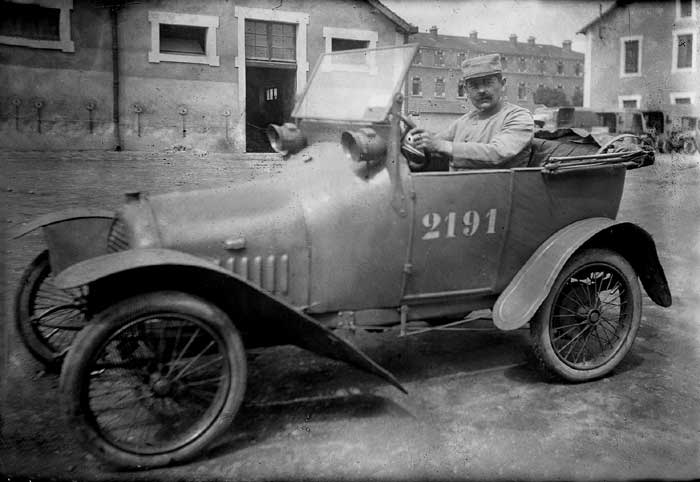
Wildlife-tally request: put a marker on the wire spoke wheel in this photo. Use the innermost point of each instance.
(589, 320)
(158, 383)
(47, 317)
(155, 380)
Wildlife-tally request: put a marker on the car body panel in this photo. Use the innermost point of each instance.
(72, 235)
(289, 323)
(524, 294)
(359, 243)
(544, 203)
(459, 232)
(522, 297)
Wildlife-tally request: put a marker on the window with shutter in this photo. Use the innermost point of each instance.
(685, 52)
(270, 41)
(42, 24)
(632, 57)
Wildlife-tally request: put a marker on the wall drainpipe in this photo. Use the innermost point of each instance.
(113, 11)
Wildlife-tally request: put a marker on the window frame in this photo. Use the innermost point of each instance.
(524, 87)
(673, 96)
(268, 33)
(440, 58)
(463, 84)
(640, 55)
(329, 33)
(541, 65)
(674, 56)
(418, 58)
(420, 87)
(211, 22)
(622, 98)
(693, 8)
(444, 88)
(370, 36)
(64, 43)
(461, 57)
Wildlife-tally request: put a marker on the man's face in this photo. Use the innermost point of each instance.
(485, 92)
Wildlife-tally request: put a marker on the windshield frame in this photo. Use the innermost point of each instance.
(395, 90)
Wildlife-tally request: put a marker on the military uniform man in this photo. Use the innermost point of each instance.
(497, 134)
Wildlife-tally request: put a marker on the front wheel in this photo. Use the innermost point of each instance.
(689, 146)
(47, 318)
(590, 318)
(154, 379)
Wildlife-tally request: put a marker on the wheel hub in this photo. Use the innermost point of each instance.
(161, 386)
(593, 317)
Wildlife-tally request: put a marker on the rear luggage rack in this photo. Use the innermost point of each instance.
(628, 159)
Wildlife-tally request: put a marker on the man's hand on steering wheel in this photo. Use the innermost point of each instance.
(422, 139)
(427, 141)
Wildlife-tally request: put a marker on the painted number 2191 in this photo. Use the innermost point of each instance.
(470, 223)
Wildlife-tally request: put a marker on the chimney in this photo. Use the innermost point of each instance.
(433, 31)
(513, 39)
(473, 35)
(531, 40)
(566, 45)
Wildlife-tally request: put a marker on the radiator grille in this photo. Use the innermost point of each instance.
(270, 272)
(117, 239)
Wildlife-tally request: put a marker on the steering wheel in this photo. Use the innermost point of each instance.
(418, 159)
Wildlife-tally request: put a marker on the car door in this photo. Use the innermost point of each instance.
(459, 228)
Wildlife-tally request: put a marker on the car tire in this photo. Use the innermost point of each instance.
(668, 147)
(169, 365)
(588, 322)
(47, 318)
(689, 147)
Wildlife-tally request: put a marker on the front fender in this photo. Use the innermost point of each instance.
(157, 269)
(60, 216)
(524, 294)
(72, 235)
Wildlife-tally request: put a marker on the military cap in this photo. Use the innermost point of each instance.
(481, 66)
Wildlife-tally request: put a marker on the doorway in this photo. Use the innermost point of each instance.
(269, 100)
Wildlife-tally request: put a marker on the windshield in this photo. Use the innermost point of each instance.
(355, 85)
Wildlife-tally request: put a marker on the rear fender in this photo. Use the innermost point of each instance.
(72, 235)
(128, 273)
(522, 297)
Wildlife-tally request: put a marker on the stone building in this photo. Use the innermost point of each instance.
(141, 75)
(644, 55)
(435, 91)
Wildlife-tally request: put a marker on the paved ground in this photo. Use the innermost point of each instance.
(476, 408)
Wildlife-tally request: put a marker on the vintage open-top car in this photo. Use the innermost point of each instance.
(360, 231)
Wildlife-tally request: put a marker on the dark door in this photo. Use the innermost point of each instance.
(269, 100)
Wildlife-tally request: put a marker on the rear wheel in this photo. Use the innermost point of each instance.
(689, 146)
(47, 318)
(154, 379)
(668, 147)
(590, 318)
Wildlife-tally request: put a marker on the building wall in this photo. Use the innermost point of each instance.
(655, 23)
(436, 108)
(67, 82)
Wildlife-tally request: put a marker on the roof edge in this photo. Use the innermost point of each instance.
(601, 16)
(388, 13)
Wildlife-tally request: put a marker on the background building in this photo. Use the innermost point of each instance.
(208, 73)
(644, 55)
(436, 94)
